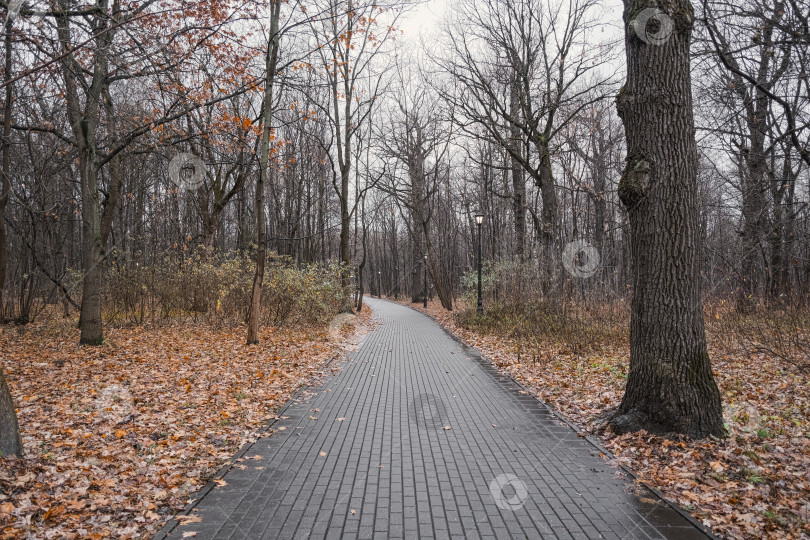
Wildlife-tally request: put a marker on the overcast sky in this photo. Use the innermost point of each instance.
(425, 18)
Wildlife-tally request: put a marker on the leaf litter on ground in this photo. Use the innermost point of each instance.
(119, 437)
(755, 483)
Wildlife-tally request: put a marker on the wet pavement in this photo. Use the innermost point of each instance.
(417, 436)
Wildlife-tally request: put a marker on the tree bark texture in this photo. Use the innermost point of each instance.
(518, 178)
(670, 387)
(10, 442)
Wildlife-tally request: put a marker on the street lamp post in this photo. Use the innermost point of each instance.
(396, 282)
(479, 220)
(425, 299)
(379, 283)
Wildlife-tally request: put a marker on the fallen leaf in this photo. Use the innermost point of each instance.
(132, 429)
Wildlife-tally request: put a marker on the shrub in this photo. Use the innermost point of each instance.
(517, 307)
(218, 288)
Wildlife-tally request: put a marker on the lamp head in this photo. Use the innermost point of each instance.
(479, 217)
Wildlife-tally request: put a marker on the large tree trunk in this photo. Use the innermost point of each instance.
(10, 442)
(670, 387)
(271, 59)
(90, 318)
(548, 195)
(548, 216)
(84, 120)
(96, 225)
(344, 155)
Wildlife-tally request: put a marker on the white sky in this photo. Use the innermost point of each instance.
(424, 19)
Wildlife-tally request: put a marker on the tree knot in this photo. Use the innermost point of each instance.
(635, 181)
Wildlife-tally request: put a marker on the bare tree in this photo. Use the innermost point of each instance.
(349, 43)
(517, 71)
(417, 135)
(271, 62)
(758, 79)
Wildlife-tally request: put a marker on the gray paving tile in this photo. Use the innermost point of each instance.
(435, 444)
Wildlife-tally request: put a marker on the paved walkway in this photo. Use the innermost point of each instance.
(416, 436)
